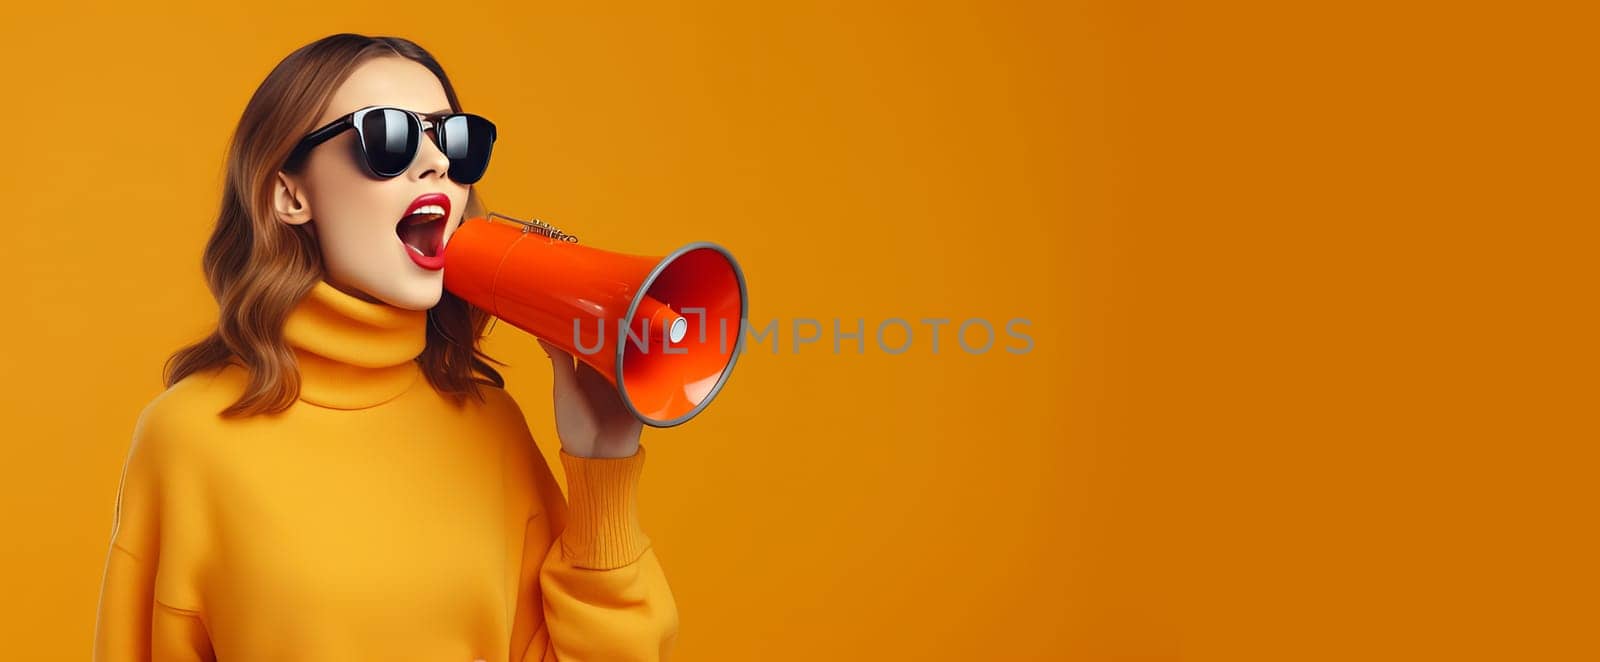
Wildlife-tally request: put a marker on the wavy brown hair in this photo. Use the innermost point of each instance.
(259, 269)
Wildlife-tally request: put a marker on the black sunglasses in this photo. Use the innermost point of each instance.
(389, 137)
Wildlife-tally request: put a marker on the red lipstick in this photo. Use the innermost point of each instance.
(421, 230)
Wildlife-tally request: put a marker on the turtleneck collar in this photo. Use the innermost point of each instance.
(354, 354)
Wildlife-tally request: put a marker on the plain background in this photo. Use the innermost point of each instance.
(1311, 289)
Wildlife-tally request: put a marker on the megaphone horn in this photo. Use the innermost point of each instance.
(658, 328)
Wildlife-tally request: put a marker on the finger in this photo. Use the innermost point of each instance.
(552, 350)
(605, 399)
(561, 368)
(595, 385)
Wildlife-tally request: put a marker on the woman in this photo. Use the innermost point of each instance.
(336, 473)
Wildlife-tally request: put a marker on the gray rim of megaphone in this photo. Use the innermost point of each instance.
(738, 344)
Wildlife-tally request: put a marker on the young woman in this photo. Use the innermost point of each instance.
(336, 473)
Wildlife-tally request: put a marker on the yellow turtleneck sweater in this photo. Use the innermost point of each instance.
(373, 520)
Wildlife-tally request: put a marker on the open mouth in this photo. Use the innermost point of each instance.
(422, 231)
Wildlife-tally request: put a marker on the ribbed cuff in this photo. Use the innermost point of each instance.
(603, 529)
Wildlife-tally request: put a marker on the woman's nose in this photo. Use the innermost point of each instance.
(430, 160)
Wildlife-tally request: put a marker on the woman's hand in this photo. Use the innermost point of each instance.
(590, 417)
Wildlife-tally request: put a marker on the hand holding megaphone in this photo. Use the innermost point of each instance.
(591, 419)
(664, 332)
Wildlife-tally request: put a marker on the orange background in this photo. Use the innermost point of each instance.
(1311, 290)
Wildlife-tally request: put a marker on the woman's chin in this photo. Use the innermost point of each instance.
(409, 291)
(421, 293)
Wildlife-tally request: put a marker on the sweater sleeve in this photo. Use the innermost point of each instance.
(132, 623)
(604, 594)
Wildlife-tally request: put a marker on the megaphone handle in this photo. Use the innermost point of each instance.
(538, 227)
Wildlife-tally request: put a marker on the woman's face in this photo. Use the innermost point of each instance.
(356, 218)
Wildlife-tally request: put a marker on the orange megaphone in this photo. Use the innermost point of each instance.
(665, 331)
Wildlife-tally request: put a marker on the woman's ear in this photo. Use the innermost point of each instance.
(289, 202)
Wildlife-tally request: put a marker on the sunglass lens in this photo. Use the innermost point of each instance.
(466, 140)
(389, 139)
